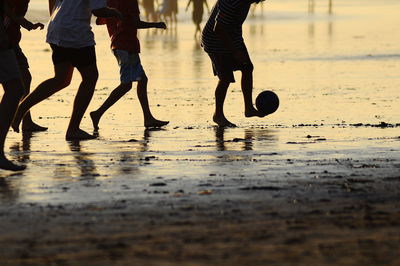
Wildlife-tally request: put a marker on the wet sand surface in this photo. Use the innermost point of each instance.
(316, 183)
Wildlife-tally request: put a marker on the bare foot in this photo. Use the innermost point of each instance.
(95, 120)
(155, 123)
(222, 121)
(8, 165)
(253, 112)
(78, 135)
(32, 127)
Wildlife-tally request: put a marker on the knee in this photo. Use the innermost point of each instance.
(144, 79)
(125, 87)
(223, 84)
(61, 82)
(248, 68)
(92, 77)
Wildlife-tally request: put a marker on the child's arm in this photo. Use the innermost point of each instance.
(20, 20)
(26, 24)
(107, 12)
(147, 25)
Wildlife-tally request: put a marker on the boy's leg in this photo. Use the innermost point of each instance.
(82, 99)
(13, 91)
(149, 120)
(27, 123)
(61, 79)
(247, 90)
(115, 95)
(223, 68)
(220, 95)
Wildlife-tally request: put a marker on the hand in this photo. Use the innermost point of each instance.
(38, 25)
(161, 25)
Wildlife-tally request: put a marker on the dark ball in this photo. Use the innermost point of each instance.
(267, 102)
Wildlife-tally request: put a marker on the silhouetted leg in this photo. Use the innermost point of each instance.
(82, 99)
(27, 122)
(220, 95)
(247, 90)
(149, 120)
(115, 95)
(13, 91)
(61, 79)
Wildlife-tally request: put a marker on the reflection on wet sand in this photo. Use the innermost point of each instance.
(83, 160)
(21, 151)
(10, 185)
(250, 136)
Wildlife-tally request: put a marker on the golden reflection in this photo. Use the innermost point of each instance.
(246, 141)
(84, 162)
(130, 160)
(9, 187)
(23, 150)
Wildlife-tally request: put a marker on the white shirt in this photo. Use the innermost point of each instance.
(69, 24)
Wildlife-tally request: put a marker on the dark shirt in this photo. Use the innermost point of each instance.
(123, 33)
(1, 10)
(231, 14)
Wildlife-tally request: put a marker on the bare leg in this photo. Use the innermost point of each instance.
(220, 95)
(149, 120)
(82, 99)
(13, 91)
(115, 95)
(247, 90)
(62, 78)
(27, 123)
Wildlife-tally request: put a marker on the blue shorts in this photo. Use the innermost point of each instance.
(9, 68)
(130, 67)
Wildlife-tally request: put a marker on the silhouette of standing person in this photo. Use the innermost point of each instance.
(149, 10)
(197, 13)
(10, 78)
(72, 42)
(126, 48)
(13, 23)
(223, 41)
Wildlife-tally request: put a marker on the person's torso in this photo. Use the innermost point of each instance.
(230, 13)
(19, 7)
(123, 33)
(69, 24)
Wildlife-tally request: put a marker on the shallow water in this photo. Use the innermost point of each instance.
(336, 75)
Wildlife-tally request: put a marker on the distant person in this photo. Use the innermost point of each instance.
(168, 11)
(10, 78)
(197, 13)
(72, 41)
(174, 11)
(223, 41)
(13, 23)
(149, 10)
(126, 48)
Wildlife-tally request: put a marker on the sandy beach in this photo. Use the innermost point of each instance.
(316, 183)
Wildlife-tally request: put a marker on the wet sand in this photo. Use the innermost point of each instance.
(316, 183)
